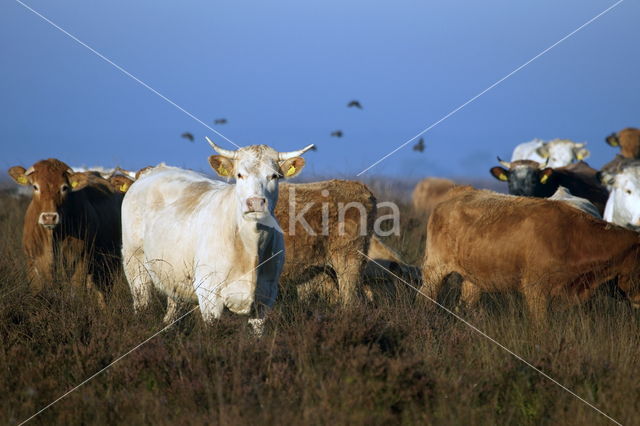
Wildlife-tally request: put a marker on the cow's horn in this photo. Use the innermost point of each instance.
(504, 163)
(29, 171)
(224, 152)
(544, 165)
(287, 155)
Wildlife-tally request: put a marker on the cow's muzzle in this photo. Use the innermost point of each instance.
(256, 205)
(49, 219)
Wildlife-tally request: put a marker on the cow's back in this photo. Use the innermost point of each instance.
(499, 242)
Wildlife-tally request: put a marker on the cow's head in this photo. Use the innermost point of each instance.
(562, 152)
(628, 140)
(525, 177)
(52, 182)
(623, 205)
(256, 170)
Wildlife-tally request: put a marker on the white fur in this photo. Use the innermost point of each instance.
(623, 205)
(208, 254)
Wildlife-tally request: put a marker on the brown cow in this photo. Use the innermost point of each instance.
(628, 140)
(326, 224)
(531, 179)
(72, 225)
(429, 192)
(541, 248)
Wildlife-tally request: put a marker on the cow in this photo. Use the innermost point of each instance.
(628, 140)
(428, 192)
(557, 152)
(71, 227)
(623, 205)
(541, 248)
(532, 179)
(205, 241)
(326, 225)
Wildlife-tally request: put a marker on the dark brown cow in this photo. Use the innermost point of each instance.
(628, 140)
(531, 179)
(541, 248)
(72, 225)
(333, 245)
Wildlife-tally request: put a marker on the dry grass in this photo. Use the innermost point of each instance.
(316, 364)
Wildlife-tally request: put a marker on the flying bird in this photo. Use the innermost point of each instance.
(419, 146)
(354, 103)
(336, 134)
(220, 121)
(187, 135)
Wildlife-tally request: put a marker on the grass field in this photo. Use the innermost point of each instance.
(315, 364)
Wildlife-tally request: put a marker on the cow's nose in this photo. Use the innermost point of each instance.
(256, 204)
(49, 219)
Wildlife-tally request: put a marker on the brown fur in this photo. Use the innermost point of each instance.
(87, 240)
(628, 140)
(312, 254)
(429, 192)
(541, 248)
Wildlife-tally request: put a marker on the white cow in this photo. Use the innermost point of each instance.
(623, 205)
(206, 241)
(558, 152)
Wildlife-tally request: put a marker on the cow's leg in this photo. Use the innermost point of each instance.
(40, 273)
(209, 299)
(537, 303)
(138, 278)
(173, 309)
(432, 281)
(348, 268)
(469, 294)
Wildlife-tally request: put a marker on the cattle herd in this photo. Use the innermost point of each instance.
(563, 230)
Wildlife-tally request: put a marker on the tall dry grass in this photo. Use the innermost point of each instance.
(316, 363)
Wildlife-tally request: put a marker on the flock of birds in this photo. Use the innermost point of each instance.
(419, 146)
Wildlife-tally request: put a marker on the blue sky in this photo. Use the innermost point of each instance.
(282, 73)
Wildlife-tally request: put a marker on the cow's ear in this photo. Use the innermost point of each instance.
(121, 183)
(78, 181)
(543, 151)
(17, 173)
(582, 153)
(292, 167)
(222, 165)
(142, 171)
(545, 175)
(612, 140)
(500, 173)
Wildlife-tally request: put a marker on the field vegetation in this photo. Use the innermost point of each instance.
(317, 363)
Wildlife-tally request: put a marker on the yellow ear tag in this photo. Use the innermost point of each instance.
(223, 171)
(74, 183)
(580, 157)
(23, 180)
(124, 187)
(291, 170)
(503, 177)
(544, 178)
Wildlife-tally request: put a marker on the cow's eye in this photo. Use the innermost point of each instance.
(35, 188)
(240, 176)
(628, 191)
(64, 188)
(274, 176)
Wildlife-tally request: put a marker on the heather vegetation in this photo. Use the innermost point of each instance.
(317, 363)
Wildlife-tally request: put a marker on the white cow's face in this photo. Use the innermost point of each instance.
(256, 170)
(623, 205)
(563, 152)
